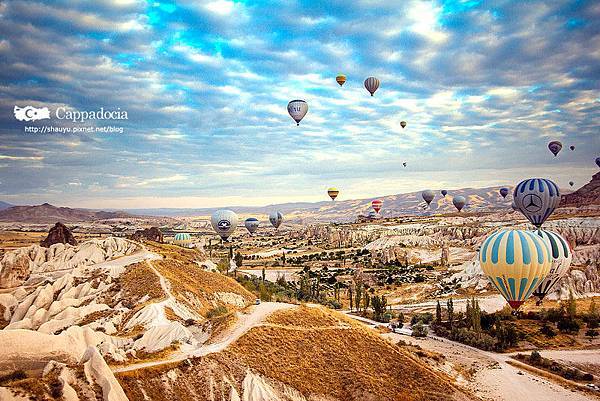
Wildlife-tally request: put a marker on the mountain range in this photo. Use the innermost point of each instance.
(478, 200)
(47, 213)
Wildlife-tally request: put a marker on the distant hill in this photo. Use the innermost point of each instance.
(589, 194)
(478, 199)
(47, 213)
(4, 205)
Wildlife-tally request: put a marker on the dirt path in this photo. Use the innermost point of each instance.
(492, 378)
(245, 321)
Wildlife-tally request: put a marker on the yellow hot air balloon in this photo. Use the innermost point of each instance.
(341, 79)
(333, 193)
(516, 262)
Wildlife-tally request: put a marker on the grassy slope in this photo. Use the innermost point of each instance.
(191, 284)
(317, 351)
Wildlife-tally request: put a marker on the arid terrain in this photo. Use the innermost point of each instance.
(319, 311)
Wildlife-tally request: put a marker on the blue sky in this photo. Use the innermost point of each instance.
(483, 85)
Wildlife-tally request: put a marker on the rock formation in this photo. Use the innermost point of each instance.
(589, 194)
(34, 262)
(59, 234)
(151, 234)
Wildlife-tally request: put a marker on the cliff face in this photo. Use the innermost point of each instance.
(589, 194)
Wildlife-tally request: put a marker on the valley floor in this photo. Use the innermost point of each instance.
(490, 376)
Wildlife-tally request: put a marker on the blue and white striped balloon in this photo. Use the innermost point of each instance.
(515, 262)
(536, 198)
(561, 255)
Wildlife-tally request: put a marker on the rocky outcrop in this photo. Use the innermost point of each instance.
(151, 234)
(59, 234)
(589, 194)
(20, 265)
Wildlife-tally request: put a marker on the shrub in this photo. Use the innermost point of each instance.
(424, 318)
(216, 312)
(548, 331)
(567, 325)
(419, 330)
(13, 376)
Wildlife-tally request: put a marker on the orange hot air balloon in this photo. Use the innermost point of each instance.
(376, 205)
(341, 79)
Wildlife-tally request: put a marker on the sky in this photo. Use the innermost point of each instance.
(483, 87)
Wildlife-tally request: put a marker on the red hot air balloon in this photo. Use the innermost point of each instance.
(376, 204)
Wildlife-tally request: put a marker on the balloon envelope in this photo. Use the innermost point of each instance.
(459, 202)
(371, 84)
(403, 124)
(428, 196)
(376, 205)
(276, 218)
(333, 193)
(504, 192)
(224, 222)
(515, 262)
(251, 224)
(297, 110)
(572, 147)
(536, 198)
(444, 192)
(598, 161)
(560, 255)
(340, 79)
(555, 147)
(571, 183)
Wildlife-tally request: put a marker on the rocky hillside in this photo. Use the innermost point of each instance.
(589, 194)
(4, 205)
(47, 213)
(298, 354)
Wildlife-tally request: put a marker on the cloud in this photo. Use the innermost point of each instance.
(482, 87)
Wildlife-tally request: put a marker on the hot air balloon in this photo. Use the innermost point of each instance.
(571, 183)
(297, 110)
(251, 224)
(515, 262)
(376, 205)
(276, 218)
(428, 196)
(224, 222)
(572, 147)
(444, 192)
(555, 147)
(333, 193)
(536, 198)
(459, 202)
(371, 84)
(340, 79)
(598, 161)
(560, 256)
(404, 164)
(403, 124)
(182, 239)
(504, 191)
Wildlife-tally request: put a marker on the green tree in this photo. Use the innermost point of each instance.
(351, 297)
(358, 296)
(450, 307)
(438, 313)
(419, 330)
(223, 265)
(475, 315)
